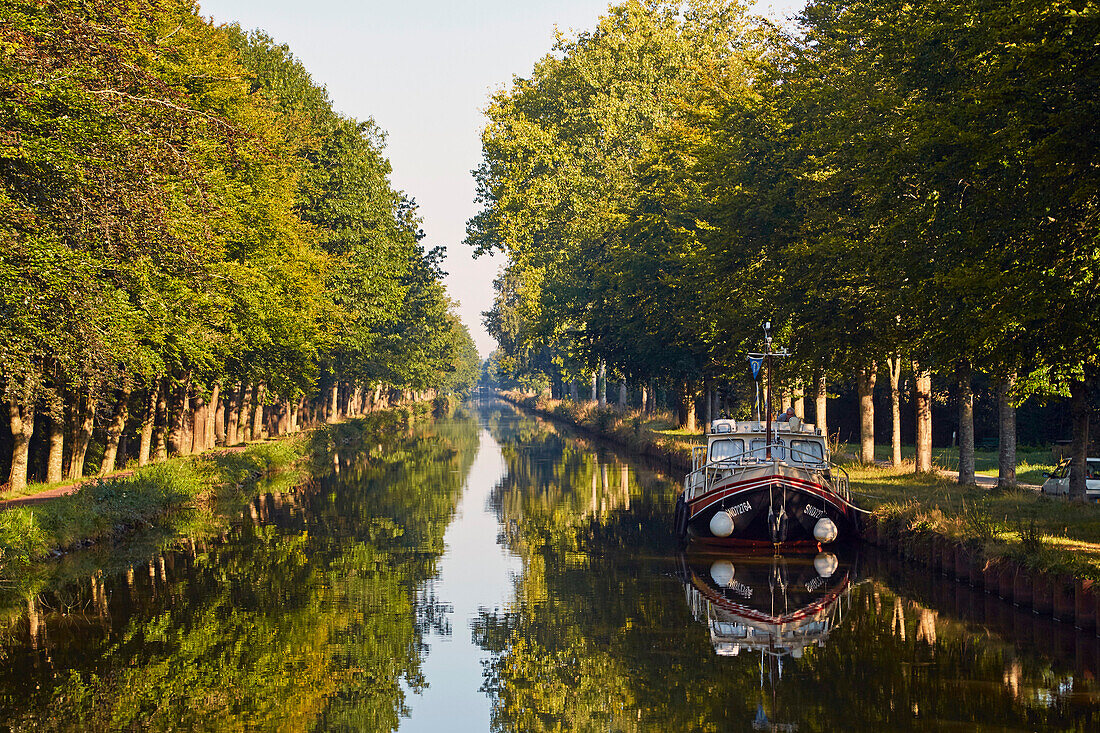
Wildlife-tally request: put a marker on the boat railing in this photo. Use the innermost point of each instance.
(704, 473)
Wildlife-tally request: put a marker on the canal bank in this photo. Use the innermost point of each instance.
(174, 495)
(495, 571)
(1037, 552)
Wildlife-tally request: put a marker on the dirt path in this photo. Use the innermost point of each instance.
(44, 496)
(986, 482)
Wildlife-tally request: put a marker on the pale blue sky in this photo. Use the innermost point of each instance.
(423, 69)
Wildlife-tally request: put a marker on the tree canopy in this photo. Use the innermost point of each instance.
(182, 210)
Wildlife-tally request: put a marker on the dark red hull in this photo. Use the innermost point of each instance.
(768, 510)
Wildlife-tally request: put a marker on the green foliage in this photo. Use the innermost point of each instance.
(916, 181)
(179, 200)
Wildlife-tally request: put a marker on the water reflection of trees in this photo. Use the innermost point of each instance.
(308, 614)
(599, 635)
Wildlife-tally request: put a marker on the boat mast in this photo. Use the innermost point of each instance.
(768, 393)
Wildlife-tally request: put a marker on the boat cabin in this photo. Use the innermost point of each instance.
(744, 442)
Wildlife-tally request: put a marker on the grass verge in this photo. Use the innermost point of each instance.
(1039, 532)
(654, 435)
(110, 507)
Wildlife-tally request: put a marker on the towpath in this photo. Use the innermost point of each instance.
(987, 482)
(44, 496)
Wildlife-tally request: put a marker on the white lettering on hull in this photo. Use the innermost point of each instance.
(740, 509)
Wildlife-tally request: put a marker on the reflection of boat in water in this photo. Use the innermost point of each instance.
(778, 606)
(773, 604)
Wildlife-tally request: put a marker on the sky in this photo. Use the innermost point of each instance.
(424, 70)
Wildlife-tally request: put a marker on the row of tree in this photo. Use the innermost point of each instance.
(189, 234)
(912, 187)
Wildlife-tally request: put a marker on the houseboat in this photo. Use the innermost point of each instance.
(752, 484)
(765, 482)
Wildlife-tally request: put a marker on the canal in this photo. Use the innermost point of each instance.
(493, 571)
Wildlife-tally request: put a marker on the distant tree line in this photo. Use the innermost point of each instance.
(195, 248)
(906, 191)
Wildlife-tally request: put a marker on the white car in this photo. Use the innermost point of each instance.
(1057, 482)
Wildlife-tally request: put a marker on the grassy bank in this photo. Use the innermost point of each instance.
(121, 522)
(1038, 532)
(1031, 463)
(110, 507)
(654, 435)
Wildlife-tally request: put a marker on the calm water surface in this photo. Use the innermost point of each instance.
(496, 572)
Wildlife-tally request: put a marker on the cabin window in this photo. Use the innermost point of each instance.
(727, 450)
(759, 445)
(807, 451)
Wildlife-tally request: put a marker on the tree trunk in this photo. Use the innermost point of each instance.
(233, 414)
(865, 387)
(55, 459)
(1006, 433)
(923, 403)
(708, 408)
(21, 418)
(258, 411)
(595, 380)
(821, 401)
(148, 422)
(294, 410)
(624, 398)
(122, 457)
(114, 431)
(798, 400)
(187, 423)
(784, 399)
(177, 437)
(333, 403)
(645, 398)
(82, 434)
(282, 427)
(244, 419)
(966, 423)
(1079, 409)
(894, 367)
(603, 383)
(161, 431)
(573, 390)
(345, 399)
(196, 424)
(215, 414)
(687, 406)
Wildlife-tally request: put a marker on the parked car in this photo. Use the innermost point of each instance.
(1057, 482)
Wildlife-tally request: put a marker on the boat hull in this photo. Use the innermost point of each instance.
(770, 509)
